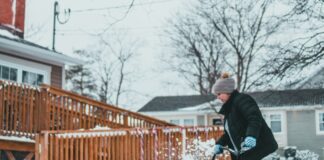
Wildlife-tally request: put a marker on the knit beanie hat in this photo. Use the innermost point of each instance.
(224, 84)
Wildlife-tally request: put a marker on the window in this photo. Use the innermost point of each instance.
(217, 121)
(8, 73)
(23, 71)
(319, 122)
(32, 78)
(188, 122)
(175, 121)
(275, 123)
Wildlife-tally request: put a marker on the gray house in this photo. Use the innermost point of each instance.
(296, 117)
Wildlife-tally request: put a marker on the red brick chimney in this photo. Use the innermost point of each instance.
(12, 16)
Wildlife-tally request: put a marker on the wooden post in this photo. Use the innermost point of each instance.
(41, 148)
(1, 104)
(43, 110)
(125, 115)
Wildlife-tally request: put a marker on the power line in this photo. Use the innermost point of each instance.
(116, 29)
(121, 6)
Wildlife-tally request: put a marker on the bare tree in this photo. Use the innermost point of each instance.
(199, 52)
(123, 57)
(237, 33)
(307, 17)
(111, 65)
(106, 83)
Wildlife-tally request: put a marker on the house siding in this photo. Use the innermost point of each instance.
(200, 120)
(56, 76)
(302, 132)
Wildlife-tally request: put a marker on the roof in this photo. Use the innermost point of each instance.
(270, 98)
(171, 103)
(273, 98)
(311, 77)
(25, 49)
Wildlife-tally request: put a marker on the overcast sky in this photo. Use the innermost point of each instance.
(144, 22)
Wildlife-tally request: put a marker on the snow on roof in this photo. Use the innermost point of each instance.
(297, 79)
(202, 106)
(8, 34)
(310, 74)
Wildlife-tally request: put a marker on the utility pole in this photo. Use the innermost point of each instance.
(56, 18)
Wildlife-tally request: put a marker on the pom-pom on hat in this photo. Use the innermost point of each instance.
(224, 85)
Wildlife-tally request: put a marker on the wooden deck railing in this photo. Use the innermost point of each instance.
(19, 109)
(125, 144)
(26, 110)
(69, 111)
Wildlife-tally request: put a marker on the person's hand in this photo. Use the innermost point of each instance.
(218, 149)
(249, 143)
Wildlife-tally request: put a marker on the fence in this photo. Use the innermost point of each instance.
(171, 143)
(26, 110)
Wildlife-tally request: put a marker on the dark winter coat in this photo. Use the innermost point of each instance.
(245, 119)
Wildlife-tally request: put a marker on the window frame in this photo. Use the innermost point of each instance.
(24, 65)
(275, 120)
(215, 119)
(9, 72)
(267, 118)
(317, 122)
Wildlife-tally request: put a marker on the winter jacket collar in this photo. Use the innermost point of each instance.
(227, 106)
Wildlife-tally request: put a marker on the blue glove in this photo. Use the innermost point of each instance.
(218, 149)
(249, 143)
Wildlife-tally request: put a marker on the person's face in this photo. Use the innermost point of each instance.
(223, 97)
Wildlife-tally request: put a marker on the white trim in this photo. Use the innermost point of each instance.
(63, 78)
(206, 119)
(317, 112)
(25, 65)
(28, 51)
(180, 117)
(173, 113)
(202, 112)
(293, 108)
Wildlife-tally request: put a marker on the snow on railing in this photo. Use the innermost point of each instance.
(138, 143)
(26, 110)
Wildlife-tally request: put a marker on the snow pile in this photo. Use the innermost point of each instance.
(199, 150)
(300, 155)
(307, 155)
